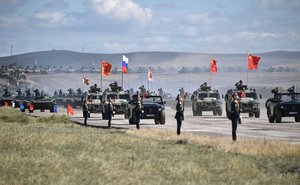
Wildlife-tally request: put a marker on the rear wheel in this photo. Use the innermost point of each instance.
(297, 118)
(194, 112)
(215, 112)
(162, 117)
(257, 113)
(220, 112)
(271, 119)
(278, 116)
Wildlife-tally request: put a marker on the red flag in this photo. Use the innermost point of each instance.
(213, 66)
(253, 61)
(31, 107)
(150, 77)
(243, 94)
(85, 80)
(105, 68)
(70, 110)
(5, 103)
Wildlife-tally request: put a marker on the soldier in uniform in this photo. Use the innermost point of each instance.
(85, 112)
(235, 114)
(110, 112)
(179, 116)
(138, 111)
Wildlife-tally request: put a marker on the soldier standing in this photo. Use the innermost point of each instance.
(138, 111)
(179, 116)
(235, 114)
(85, 112)
(110, 112)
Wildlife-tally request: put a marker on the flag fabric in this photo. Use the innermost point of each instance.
(213, 66)
(243, 94)
(85, 80)
(55, 108)
(253, 61)
(150, 77)
(21, 105)
(105, 68)
(5, 103)
(70, 110)
(124, 64)
(31, 107)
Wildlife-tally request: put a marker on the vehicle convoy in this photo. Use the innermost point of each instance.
(152, 108)
(41, 102)
(285, 104)
(249, 101)
(18, 98)
(119, 99)
(206, 99)
(74, 99)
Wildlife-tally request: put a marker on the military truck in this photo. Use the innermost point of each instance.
(93, 99)
(42, 102)
(74, 99)
(119, 99)
(285, 104)
(206, 99)
(249, 100)
(153, 107)
(7, 98)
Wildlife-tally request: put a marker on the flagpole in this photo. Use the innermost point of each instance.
(122, 79)
(247, 70)
(101, 76)
(210, 72)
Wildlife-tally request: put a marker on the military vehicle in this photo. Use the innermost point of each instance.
(152, 108)
(18, 98)
(41, 102)
(93, 99)
(7, 98)
(206, 99)
(119, 99)
(60, 98)
(249, 101)
(283, 105)
(74, 99)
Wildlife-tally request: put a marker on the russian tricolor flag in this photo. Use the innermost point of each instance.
(124, 64)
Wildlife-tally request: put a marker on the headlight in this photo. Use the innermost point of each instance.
(159, 109)
(143, 111)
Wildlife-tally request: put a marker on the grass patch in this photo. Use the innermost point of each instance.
(39, 153)
(53, 119)
(11, 115)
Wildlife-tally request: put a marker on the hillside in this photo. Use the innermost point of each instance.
(154, 59)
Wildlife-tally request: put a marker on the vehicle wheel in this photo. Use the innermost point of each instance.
(126, 116)
(194, 113)
(278, 116)
(220, 112)
(257, 113)
(215, 112)
(297, 118)
(162, 117)
(271, 119)
(156, 121)
(250, 114)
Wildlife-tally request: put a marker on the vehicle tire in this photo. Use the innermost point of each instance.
(257, 113)
(297, 118)
(250, 114)
(163, 117)
(220, 112)
(156, 121)
(278, 116)
(215, 113)
(271, 119)
(126, 116)
(194, 113)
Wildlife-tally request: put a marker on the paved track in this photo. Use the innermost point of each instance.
(288, 130)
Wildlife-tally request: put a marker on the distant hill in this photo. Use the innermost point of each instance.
(154, 59)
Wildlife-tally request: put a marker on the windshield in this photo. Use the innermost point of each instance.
(251, 95)
(94, 97)
(112, 96)
(152, 100)
(287, 97)
(202, 96)
(214, 95)
(124, 96)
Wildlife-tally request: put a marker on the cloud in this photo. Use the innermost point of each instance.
(53, 19)
(277, 4)
(190, 31)
(205, 19)
(56, 4)
(124, 10)
(258, 35)
(10, 21)
(155, 40)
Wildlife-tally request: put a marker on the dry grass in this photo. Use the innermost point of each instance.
(247, 146)
(65, 153)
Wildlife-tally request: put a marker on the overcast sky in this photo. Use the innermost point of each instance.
(121, 26)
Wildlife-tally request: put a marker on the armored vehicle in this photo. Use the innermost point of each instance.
(41, 102)
(7, 98)
(249, 101)
(93, 99)
(152, 108)
(206, 99)
(283, 105)
(18, 98)
(119, 99)
(74, 99)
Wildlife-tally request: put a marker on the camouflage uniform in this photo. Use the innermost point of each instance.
(85, 113)
(179, 115)
(110, 112)
(235, 117)
(137, 112)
